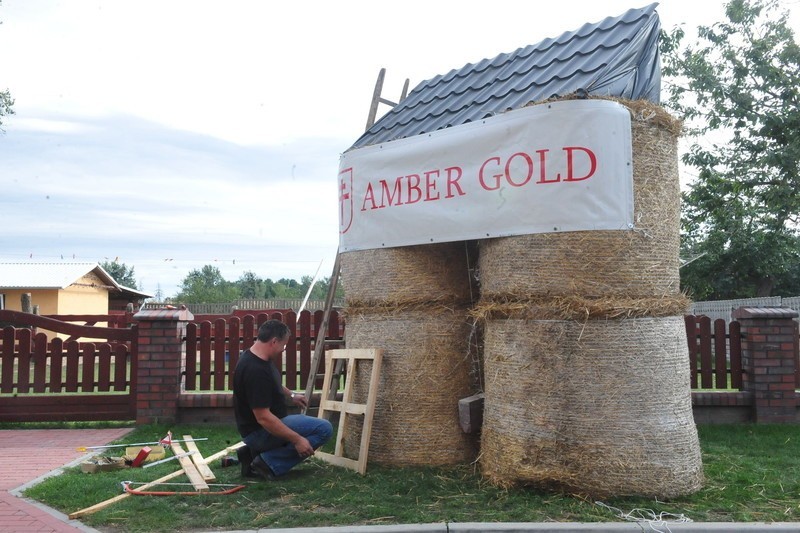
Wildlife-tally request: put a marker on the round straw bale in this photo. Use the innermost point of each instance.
(643, 261)
(424, 372)
(601, 407)
(426, 273)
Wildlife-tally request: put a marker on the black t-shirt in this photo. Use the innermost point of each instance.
(256, 383)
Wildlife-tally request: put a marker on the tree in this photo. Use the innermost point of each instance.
(251, 286)
(738, 89)
(122, 273)
(206, 286)
(6, 103)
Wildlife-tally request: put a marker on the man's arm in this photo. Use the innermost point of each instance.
(274, 426)
(297, 399)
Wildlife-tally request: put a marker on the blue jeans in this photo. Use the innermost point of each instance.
(280, 455)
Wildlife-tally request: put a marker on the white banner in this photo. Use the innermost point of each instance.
(563, 166)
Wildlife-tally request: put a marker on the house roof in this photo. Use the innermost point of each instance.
(50, 275)
(133, 293)
(617, 56)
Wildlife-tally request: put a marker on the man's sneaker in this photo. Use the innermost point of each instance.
(262, 469)
(245, 458)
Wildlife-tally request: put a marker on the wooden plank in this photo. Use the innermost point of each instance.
(57, 357)
(89, 332)
(73, 364)
(234, 347)
(347, 407)
(198, 460)
(706, 379)
(189, 469)
(691, 341)
(60, 407)
(319, 345)
(720, 355)
(219, 354)
(120, 367)
(372, 398)
(87, 381)
(205, 356)
(7, 360)
(338, 460)
(39, 360)
(190, 379)
(104, 368)
(24, 362)
(735, 337)
(115, 499)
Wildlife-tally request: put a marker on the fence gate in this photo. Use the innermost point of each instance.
(85, 373)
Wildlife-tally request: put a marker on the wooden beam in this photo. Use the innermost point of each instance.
(191, 471)
(102, 505)
(197, 459)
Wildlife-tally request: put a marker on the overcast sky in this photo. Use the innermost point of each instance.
(173, 134)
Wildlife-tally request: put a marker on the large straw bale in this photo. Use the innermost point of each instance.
(601, 407)
(643, 261)
(425, 371)
(407, 275)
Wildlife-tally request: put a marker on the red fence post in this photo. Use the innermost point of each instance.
(768, 361)
(158, 379)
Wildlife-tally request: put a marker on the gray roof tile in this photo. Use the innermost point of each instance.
(617, 56)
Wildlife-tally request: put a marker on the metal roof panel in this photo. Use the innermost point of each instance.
(617, 56)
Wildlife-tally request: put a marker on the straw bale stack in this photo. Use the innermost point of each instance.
(642, 262)
(598, 407)
(406, 276)
(585, 359)
(425, 371)
(413, 303)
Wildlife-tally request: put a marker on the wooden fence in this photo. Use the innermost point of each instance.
(214, 342)
(715, 353)
(59, 380)
(78, 379)
(92, 374)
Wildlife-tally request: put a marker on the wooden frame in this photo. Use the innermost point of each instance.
(347, 407)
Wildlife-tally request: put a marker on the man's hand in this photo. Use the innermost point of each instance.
(303, 448)
(299, 400)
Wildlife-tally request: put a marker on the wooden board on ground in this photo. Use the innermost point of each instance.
(197, 459)
(189, 469)
(102, 505)
(347, 407)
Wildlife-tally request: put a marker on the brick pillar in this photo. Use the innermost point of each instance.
(158, 375)
(768, 359)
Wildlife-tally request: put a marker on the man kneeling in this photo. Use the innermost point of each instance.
(275, 441)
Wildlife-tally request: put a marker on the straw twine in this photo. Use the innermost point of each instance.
(576, 307)
(410, 275)
(601, 407)
(638, 263)
(425, 371)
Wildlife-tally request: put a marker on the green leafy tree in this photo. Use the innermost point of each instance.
(122, 273)
(206, 286)
(251, 286)
(738, 89)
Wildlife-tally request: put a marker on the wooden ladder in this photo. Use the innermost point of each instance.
(319, 346)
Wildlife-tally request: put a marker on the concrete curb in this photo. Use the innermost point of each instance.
(554, 527)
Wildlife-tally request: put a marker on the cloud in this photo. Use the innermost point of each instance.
(129, 188)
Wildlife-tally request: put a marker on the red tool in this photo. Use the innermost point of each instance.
(141, 456)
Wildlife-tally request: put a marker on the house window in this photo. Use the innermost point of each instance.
(2, 301)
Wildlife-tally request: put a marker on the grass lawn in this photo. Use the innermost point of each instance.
(751, 475)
